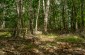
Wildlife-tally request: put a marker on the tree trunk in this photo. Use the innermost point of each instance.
(17, 30)
(63, 16)
(46, 15)
(82, 15)
(31, 16)
(3, 16)
(36, 27)
(73, 17)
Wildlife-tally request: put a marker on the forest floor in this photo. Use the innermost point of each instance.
(51, 44)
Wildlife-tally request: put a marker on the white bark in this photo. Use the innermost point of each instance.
(36, 27)
(44, 6)
(46, 15)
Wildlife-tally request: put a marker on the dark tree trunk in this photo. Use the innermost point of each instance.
(73, 17)
(63, 16)
(82, 15)
(31, 16)
(18, 25)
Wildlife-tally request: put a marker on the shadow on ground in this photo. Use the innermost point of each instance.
(36, 46)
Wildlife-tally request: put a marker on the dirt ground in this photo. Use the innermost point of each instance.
(39, 46)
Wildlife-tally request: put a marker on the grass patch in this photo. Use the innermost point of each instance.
(63, 38)
(5, 34)
(72, 39)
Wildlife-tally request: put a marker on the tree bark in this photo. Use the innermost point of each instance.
(73, 17)
(36, 27)
(82, 15)
(63, 16)
(46, 15)
(17, 30)
(3, 16)
(30, 8)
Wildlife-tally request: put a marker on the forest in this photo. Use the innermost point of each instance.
(42, 27)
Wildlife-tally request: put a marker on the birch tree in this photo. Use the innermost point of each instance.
(46, 14)
(37, 16)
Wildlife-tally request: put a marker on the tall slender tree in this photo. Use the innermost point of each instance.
(82, 15)
(17, 30)
(37, 16)
(46, 15)
(30, 8)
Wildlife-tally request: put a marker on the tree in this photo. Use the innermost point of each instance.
(3, 5)
(46, 14)
(19, 24)
(30, 8)
(37, 16)
(82, 15)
